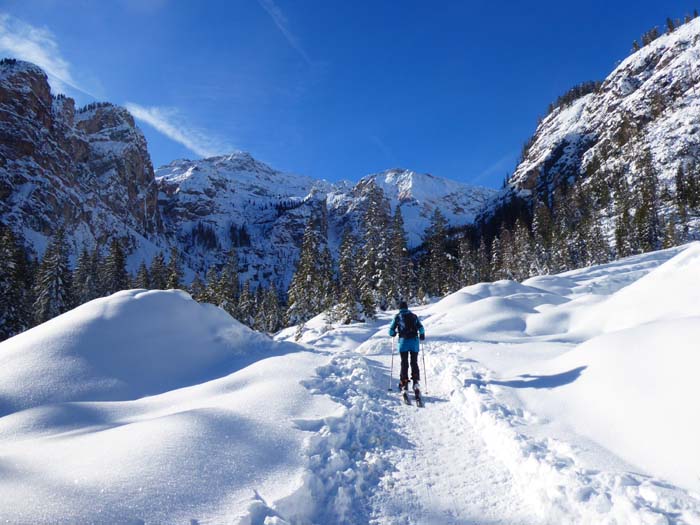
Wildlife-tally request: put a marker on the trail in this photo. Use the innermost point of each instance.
(446, 476)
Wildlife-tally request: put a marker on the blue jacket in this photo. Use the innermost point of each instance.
(406, 345)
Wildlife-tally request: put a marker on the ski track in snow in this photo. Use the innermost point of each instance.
(428, 487)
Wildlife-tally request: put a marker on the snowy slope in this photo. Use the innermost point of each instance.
(216, 433)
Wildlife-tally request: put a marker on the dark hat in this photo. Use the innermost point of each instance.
(403, 305)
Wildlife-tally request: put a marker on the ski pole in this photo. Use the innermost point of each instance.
(425, 371)
(391, 374)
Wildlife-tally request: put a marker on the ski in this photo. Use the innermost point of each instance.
(419, 398)
(406, 399)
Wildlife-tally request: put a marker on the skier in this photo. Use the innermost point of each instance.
(410, 330)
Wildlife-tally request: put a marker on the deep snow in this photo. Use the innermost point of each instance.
(563, 399)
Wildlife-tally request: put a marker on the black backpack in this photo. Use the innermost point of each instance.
(407, 323)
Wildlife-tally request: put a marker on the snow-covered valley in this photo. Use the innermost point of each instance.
(563, 399)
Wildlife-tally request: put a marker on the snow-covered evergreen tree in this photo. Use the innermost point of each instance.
(197, 289)
(437, 263)
(375, 265)
(174, 270)
(143, 279)
(159, 272)
(305, 296)
(246, 305)
(401, 281)
(347, 310)
(14, 280)
(85, 279)
(114, 276)
(53, 282)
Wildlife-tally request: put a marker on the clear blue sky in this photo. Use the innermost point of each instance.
(332, 88)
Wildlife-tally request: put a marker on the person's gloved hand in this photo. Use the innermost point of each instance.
(422, 337)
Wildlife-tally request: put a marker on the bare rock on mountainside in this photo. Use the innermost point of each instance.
(88, 170)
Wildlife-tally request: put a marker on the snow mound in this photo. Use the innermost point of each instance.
(642, 380)
(132, 344)
(668, 292)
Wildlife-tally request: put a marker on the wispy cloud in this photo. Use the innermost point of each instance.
(24, 41)
(282, 24)
(500, 166)
(171, 123)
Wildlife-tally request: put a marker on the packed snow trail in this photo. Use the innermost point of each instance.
(430, 486)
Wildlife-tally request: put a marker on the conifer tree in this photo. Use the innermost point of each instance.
(347, 279)
(246, 305)
(197, 289)
(174, 270)
(483, 262)
(437, 262)
(114, 275)
(53, 283)
(14, 281)
(211, 288)
(670, 235)
(467, 262)
(541, 233)
(159, 272)
(85, 279)
(304, 295)
(375, 268)
(142, 279)
(646, 218)
(273, 314)
(400, 267)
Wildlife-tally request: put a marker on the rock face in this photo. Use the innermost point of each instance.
(88, 170)
(648, 105)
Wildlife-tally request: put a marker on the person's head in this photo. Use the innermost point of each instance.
(403, 305)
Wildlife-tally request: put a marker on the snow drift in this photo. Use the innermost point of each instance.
(131, 344)
(214, 439)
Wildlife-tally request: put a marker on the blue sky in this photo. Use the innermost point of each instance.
(329, 88)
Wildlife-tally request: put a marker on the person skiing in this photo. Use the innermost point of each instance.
(410, 330)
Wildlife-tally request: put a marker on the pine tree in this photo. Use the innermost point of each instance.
(305, 296)
(670, 235)
(159, 273)
(114, 275)
(400, 276)
(647, 217)
(273, 312)
(246, 305)
(437, 262)
(53, 283)
(197, 289)
(85, 279)
(375, 269)
(467, 263)
(14, 281)
(523, 252)
(142, 280)
(483, 262)
(174, 270)
(347, 279)
(542, 235)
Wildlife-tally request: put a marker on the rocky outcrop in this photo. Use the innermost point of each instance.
(88, 170)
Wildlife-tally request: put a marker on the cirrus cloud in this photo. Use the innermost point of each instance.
(171, 123)
(38, 45)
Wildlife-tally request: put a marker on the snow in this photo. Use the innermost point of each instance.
(565, 399)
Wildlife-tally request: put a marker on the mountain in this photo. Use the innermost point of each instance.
(237, 200)
(647, 108)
